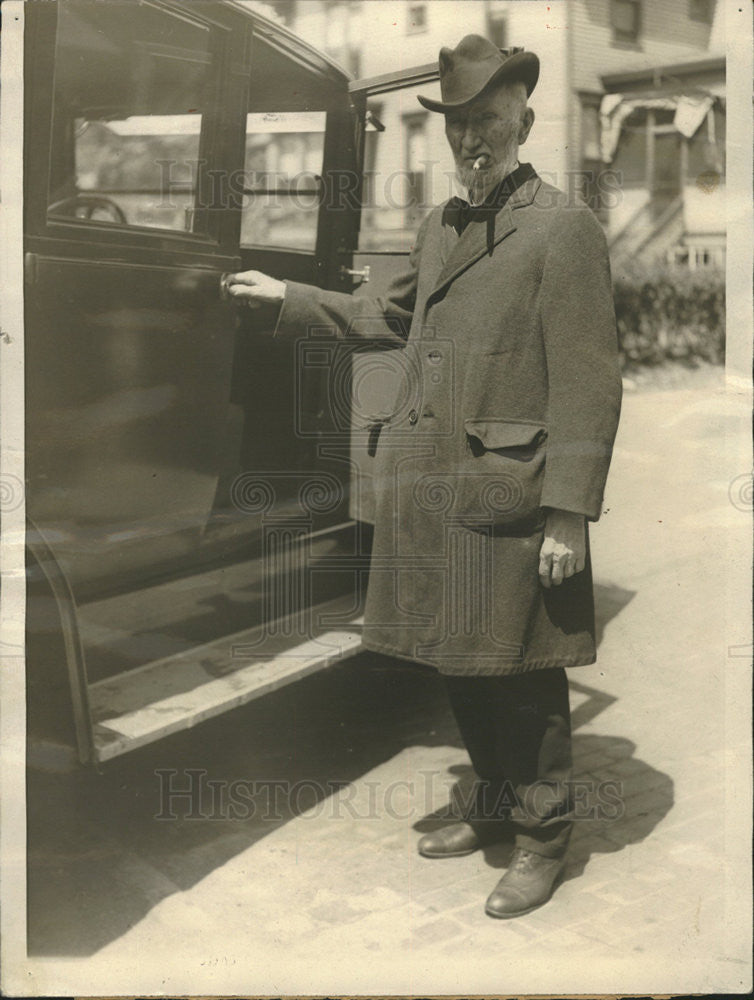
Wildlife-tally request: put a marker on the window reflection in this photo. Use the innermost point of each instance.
(131, 82)
(283, 168)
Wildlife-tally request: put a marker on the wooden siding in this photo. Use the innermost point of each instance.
(667, 35)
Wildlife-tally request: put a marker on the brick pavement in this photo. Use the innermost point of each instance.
(333, 896)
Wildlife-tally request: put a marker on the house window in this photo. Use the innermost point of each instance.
(697, 256)
(631, 156)
(416, 159)
(497, 29)
(416, 18)
(701, 10)
(625, 19)
(342, 29)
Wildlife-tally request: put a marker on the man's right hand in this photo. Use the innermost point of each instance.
(254, 289)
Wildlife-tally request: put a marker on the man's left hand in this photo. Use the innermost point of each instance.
(563, 551)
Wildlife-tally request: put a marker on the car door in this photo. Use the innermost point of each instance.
(129, 347)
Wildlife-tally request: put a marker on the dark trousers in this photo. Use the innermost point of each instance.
(517, 730)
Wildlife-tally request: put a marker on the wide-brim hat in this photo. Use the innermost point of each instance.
(474, 66)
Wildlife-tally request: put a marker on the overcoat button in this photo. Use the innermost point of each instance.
(413, 416)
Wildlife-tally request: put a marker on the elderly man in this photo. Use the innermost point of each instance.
(480, 563)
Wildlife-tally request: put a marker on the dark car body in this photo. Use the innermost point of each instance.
(188, 478)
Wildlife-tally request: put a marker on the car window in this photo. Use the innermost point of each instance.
(132, 82)
(282, 178)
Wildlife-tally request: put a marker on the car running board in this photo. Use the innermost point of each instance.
(166, 696)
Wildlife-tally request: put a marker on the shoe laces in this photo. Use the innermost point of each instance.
(521, 860)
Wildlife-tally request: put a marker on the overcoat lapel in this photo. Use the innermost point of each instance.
(481, 236)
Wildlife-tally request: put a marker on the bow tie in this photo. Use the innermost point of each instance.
(463, 211)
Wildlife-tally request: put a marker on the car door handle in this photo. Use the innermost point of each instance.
(362, 274)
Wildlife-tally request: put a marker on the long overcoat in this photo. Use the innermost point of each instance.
(512, 408)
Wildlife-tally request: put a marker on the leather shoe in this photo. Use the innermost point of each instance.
(459, 839)
(529, 882)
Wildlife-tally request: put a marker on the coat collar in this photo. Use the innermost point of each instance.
(489, 226)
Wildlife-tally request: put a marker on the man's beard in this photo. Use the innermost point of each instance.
(480, 182)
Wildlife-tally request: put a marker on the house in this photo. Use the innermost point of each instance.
(650, 84)
(630, 110)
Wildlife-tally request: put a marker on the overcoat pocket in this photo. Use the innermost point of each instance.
(501, 472)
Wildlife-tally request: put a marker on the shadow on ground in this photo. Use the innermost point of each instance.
(99, 858)
(101, 853)
(621, 801)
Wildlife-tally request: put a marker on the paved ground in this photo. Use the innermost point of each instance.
(321, 890)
